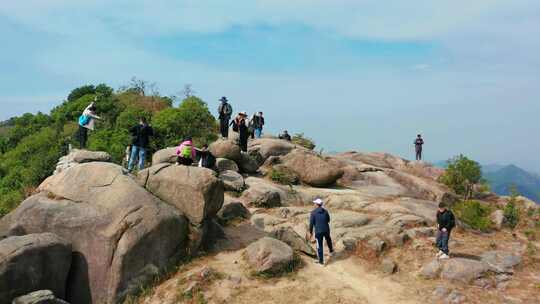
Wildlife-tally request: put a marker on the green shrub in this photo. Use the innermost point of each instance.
(461, 175)
(283, 175)
(301, 140)
(474, 214)
(511, 213)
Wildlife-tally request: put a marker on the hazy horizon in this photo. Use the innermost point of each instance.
(361, 75)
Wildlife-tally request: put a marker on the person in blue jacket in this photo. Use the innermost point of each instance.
(320, 220)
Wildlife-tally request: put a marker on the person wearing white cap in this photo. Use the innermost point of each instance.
(320, 220)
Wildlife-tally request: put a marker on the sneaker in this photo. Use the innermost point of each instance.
(444, 256)
(439, 254)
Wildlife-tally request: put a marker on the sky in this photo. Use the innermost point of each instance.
(364, 75)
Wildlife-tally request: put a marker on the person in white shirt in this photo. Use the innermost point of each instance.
(87, 122)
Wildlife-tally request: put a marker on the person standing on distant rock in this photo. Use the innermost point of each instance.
(285, 136)
(240, 124)
(185, 152)
(141, 139)
(225, 111)
(258, 123)
(320, 220)
(445, 223)
(418, 142)
(87, 122)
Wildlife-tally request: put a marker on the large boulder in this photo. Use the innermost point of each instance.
(263, 148)
(261, 193)
(463, 270)
(269, 255)
(33, 262)
(312, 169)
(122, 236)
(500, 261)
(248, 164)
(232, 180)
(167, 155)
(291, 238)
(85, 156)
(233, 211)
(223, 164)
(196, 192)
(225, 149)
(39, 297)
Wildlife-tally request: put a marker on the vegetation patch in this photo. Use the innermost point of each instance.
(301, 140)
(474, 214)
(283, 175)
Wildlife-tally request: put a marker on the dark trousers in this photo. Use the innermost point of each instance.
(83, 137)
(319, 237)
(442, 241)
(418, 154)
(244, 141)
(224, 127)
(184, 161)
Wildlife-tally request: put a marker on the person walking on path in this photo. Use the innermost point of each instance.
(258, 124)
(141, 134)
(185, 152)
(418, 142)
(445, 223)
(87, 122)
(225, 111)
(320, 220)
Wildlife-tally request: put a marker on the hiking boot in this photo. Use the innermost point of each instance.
(444, 256)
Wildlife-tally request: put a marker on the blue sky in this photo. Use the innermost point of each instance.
(353, 75)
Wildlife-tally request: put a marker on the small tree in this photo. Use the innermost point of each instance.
(511, 211)
(461, 175)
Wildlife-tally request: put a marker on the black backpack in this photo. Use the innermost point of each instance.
(235, 126)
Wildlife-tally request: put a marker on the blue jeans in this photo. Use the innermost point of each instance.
(442, 241)
(258, 132)
(320, 252)
(137, 152)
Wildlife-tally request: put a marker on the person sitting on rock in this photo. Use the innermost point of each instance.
(206, 158)
(185, 152)
(320, 219)
(285, 136)
(87, 122)
(418, 142)
(445, 223)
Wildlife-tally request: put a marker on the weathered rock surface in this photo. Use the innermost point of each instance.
(39, 297)
(388, 266)
(291, 238)
(248, 164)
(262, 194)
(77, 156)
(33, 262)
(263, 148)
(269, 255)
(500, 261)
(223, 164)
(232, 180)
(196, 192)
(455, 269)
(312, 169)
(121, 235)
(497, 217)
(233, 211)
(167, 156)
(225, 149)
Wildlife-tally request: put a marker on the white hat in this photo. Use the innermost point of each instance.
(318, 201)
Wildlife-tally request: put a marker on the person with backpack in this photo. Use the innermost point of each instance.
(257, 123)
(418, 146)
(206, 158)
(445, 223)
(185, 152)
(225, 111)
(320, 222)
(87, 122)
(141, 134)
(240, 124)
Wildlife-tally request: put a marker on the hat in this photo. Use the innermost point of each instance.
(244, 113)
(223, 98)
(318, 201)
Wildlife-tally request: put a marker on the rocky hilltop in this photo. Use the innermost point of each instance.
(94, 234)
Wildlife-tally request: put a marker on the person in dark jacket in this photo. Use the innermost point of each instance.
(285, 136)
(445, 223)
(141, 139)
(418, 142)
(258, 123)
(240, 125)
(320, 220)
(206, 158)
(224, 111)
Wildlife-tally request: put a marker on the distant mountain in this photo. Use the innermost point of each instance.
(527, 184)
(502, 177)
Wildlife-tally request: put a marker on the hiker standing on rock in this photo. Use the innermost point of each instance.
(87, 122)
(320, 219)
(225, 111)
(240, 125)
(257, 122)
(445, 223)
(185, 152)
(141, 138)
(418, 142)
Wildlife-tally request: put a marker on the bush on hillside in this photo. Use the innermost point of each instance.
(283, 175)
(511, 211)
(474, 214)
(461, 175)
(301, 140)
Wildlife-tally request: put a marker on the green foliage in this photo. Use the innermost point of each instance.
(283, 175)
(301, 140)
(461, 175)
(474, 214)
(21, 127)
(113, 141)
(511, 211)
